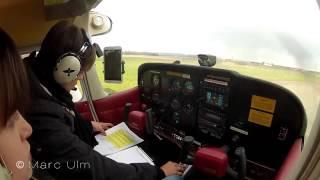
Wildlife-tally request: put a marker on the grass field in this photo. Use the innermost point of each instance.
(305, 85)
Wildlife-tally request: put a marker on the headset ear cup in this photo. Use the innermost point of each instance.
(67, 69)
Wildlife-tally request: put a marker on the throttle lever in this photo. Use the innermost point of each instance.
(187, 142)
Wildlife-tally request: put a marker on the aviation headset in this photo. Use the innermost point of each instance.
(69, 64)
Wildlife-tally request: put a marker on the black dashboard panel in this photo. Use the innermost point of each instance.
(214, 105)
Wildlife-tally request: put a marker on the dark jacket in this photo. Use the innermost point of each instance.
(62, 142)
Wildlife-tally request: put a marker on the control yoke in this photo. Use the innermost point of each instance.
(149, 122)
(215, 162)
(126, 112)
(229, 160)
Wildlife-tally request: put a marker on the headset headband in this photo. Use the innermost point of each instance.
(87, 43)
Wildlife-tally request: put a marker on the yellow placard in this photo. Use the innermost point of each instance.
(263, 103)
(261, 118)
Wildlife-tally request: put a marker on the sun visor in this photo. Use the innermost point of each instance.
(58, 9)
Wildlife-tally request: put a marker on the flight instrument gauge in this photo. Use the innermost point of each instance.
(176, 86)
(156, 80)
(188, 88)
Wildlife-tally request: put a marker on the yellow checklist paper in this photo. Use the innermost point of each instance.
(118, 138)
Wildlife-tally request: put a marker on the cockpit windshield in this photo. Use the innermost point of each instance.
(277, 41)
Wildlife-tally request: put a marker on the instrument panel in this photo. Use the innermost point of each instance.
(214, 105)
(173, 96)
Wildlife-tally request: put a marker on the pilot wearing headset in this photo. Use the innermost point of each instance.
(61, 137)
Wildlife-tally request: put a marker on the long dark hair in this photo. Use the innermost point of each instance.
(14, 84)
(63, 37)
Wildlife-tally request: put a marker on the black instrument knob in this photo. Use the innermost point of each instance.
(175, 105)
(188, 140)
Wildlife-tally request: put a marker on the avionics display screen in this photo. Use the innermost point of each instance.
(215, 99)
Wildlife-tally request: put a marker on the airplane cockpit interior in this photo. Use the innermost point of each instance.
(222, 123)
(225, 124)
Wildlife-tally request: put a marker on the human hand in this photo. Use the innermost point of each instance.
(101, 127)
(172, 168)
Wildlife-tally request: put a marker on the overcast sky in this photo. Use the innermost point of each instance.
(283, 32)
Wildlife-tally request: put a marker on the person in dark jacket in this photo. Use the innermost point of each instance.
(62, 141)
